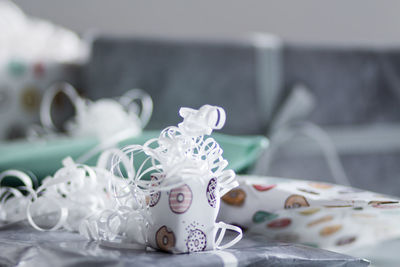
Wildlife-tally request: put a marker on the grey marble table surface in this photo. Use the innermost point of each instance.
(21, 245)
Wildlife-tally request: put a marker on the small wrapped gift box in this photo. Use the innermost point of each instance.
(187, 179)
(184, 217)
(329, 216)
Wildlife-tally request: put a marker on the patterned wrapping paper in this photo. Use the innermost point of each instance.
(185, 217)
(323, 215)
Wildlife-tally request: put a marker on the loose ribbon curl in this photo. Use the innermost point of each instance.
(104, 206)
(182, 153)
(80, 198)
(179, 154)
(130, 113)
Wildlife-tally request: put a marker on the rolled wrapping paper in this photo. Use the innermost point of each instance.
(324, 215)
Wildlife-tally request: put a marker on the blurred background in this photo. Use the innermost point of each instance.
(320, 79)
(354, 22)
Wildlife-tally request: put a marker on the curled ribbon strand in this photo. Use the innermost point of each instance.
(182, 153)
(109, 202)
(125, 117)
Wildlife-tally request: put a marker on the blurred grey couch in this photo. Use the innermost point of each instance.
(357, 103)
(355, 93)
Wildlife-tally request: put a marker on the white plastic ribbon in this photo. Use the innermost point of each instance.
(223, 227)
(128, 114)
(182, 153)
(12, 200)
(80, 198)
(109, 202)
(110, 120)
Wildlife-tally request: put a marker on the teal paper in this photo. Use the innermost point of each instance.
(43, 158)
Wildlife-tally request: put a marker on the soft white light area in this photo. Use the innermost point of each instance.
(339, 22)
(31, 39)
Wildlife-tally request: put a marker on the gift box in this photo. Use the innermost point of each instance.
(22, 84)
(324, 215)
(187, 178)
(185, 217)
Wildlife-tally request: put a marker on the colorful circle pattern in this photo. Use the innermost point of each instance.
(165, 238)
(196, 241)
(235, 197)
(211, 192)
(180, 199)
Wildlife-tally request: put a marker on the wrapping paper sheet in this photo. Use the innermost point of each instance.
(322, 215)
(21, 245)
(178, 225)
(44, 158)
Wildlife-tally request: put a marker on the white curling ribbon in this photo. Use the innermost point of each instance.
(181, 156)
(104, 118)
(12, 201)
(126, 221)
(104, 206)
(202, 121)
(80, 198)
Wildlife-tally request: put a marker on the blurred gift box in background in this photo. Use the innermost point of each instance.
(34, 54)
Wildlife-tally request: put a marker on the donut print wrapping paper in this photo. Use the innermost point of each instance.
(323, 215)
(180, 224)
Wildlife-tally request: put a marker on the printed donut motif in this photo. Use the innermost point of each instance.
(38, 69)
(235, 197)
(263, 188)
(296, 201)
(196, 241)
(386, 206)
(211, 192)
(346, 240)
(165, 238)
(30, 98)
(309, 211)
(307, 191)
(377, 202)
(280, 223)
(262, 216)
(383, 204)
(154, 196)
(320, 185)
(180, 199)
(329, 230)
(323, 219)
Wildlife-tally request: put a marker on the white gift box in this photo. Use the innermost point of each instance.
(184, 218)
